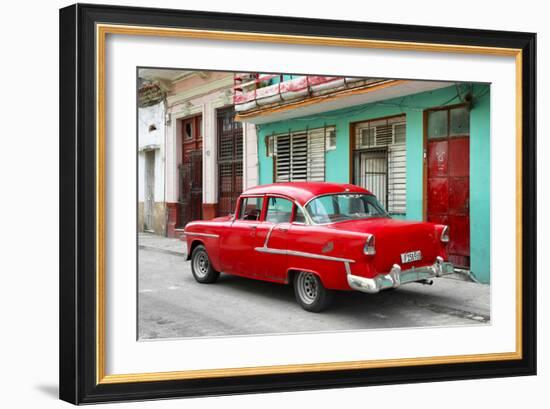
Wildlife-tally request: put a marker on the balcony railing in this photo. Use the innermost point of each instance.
(256, 91)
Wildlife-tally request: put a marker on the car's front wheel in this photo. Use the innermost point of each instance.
(201, 267)
(310, 292)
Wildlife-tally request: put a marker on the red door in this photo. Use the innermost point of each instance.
(448, 187)
(190, 171)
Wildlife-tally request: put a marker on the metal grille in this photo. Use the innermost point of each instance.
(389, 136)
(230, 160)
(372, 172)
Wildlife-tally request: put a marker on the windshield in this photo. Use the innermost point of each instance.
(346, 206)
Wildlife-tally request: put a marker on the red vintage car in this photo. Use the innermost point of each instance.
(319, 236)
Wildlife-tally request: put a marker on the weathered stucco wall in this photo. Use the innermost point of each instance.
(151, 136)
(159, 218)
(148, 117)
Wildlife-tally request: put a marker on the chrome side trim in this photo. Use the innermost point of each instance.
(303, 254)
(213, 236)
(348, 268)
(268, 235)
(309, 221)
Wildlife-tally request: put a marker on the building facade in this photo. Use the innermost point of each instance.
(422, 147)
(151, 137)
(205, 153)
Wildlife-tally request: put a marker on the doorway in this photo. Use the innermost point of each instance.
(190, 171)
(448, 177)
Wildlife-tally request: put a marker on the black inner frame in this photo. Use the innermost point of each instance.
(77, 203)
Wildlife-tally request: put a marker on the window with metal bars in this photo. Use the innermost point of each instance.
(230, 160)
(300, 156)
(380, 161)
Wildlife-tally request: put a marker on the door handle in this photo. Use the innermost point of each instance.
(282, 228)
(253, 227)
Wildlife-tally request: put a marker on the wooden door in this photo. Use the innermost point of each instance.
(448, 178)
(190, 171)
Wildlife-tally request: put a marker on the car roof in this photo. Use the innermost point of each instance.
(303, 192)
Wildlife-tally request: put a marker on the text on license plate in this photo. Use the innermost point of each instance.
(411, 256)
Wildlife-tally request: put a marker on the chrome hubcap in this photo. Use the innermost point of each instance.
(201, 264)
(307, 287)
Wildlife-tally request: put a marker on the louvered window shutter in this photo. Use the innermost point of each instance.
(384, 135)
(316, 155)
(283, 158)
(300, 156)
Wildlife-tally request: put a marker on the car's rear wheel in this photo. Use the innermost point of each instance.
(310, 292)
(202, 267)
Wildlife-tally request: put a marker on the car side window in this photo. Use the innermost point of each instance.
(279, 210)
(250, 208)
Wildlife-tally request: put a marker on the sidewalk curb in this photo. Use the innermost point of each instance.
(165, 251)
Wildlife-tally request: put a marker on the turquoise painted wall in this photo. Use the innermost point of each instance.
(480, 182)
(413, 106)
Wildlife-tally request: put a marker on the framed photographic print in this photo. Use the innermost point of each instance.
(257, 203)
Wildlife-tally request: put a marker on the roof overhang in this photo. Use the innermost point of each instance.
(339, 100)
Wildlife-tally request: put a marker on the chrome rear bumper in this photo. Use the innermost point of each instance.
(397, 277)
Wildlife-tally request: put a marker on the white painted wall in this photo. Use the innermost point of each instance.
(141, 176)
(250, 156)
(148, 116)
(151, 140)
(159, 174)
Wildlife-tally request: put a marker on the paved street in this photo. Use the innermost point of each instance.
(173, 305)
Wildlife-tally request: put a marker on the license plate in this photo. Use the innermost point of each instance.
(411, 256)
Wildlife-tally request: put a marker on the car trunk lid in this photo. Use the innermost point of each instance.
(396, 237)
